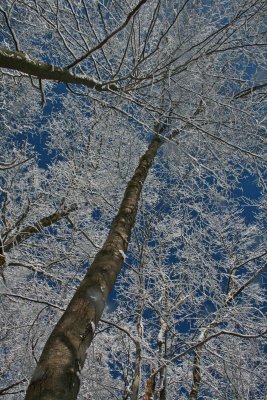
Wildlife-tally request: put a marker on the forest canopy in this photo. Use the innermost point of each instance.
(133, 200)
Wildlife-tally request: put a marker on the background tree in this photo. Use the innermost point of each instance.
(191, 292)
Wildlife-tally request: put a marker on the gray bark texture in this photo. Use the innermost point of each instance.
(57, 373)
(196, 375)
(19, 61)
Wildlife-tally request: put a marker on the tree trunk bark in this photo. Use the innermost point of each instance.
(138, 347)
(150, 387)
(57, 373)
(196, 375)
(162, 352)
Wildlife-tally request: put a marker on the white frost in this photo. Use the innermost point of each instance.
(94, 294)
(202, 334)
(123, 254)
(92, 326)
(95, 298)
(162, 332)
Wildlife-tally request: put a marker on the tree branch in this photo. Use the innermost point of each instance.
(3, 390)
(240, 335)
(19, 61)
(4, 166)
(250, 90)
(242, 287)
(33, 300)
(121, 329)
(37, 228)
(107, 38)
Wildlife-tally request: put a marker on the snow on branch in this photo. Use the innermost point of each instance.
(19, 61)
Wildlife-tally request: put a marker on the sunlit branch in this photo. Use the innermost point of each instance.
(236, 267)
(28, 231)
(19, 61)
(16, 43)
(35, 270)
(250, 90)
(7, 388)
(13, 164)
(223, 332)
(232, 296)
(204, 334)
(17, 296)
(236, 47)
(251, 259)
(107, 38)
(83, 233)
(124, 330)
(225, 142)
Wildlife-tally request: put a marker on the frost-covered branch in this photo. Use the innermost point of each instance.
(223, 332)
(38, 227)
(108, 37)
(19, 61)
(121, 328)
(250, 90)
(9, 165)
(39, 301)
(233, 295)
(4, 391)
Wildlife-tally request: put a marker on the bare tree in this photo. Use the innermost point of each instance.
(149, 114)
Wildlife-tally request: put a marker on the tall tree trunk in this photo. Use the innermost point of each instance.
(150, 386)
(138, 347)
(57, 373)
(232, 293)
(162, 352)
(196, 375)
(138, 358)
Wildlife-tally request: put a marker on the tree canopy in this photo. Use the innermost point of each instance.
(133, 199)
